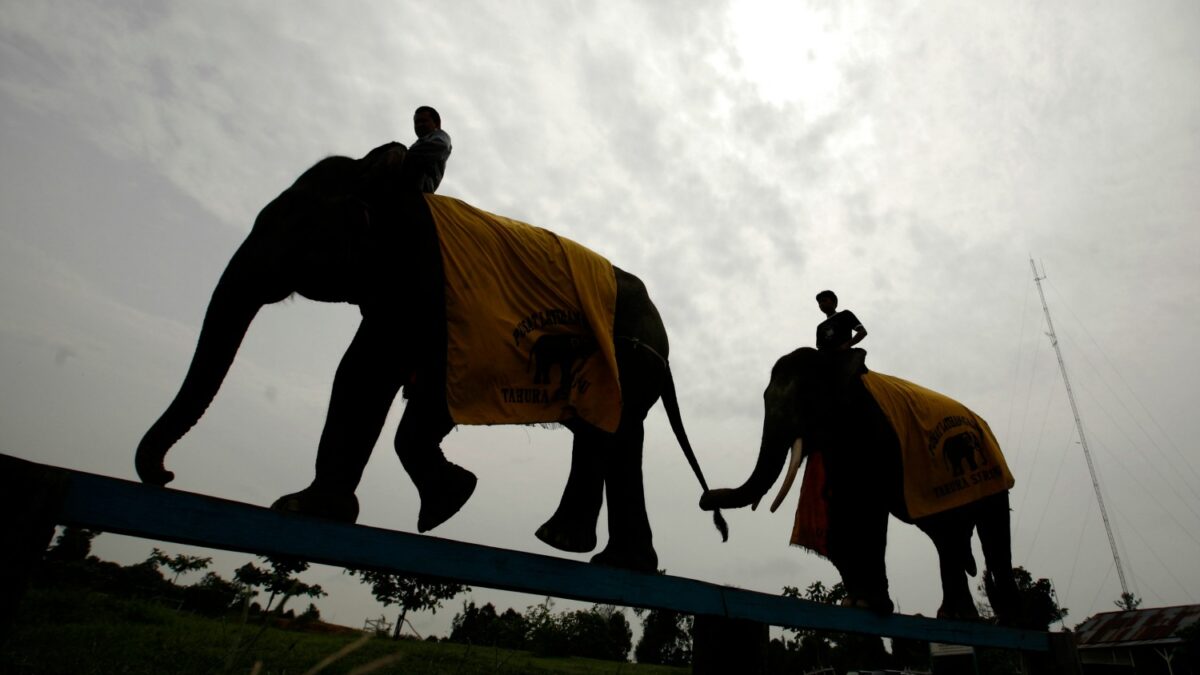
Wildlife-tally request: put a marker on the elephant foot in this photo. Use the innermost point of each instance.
(958, 611)
(443, 495)
(1004, 596)
(563, 538)
(877, 604)
(645, 560)
(308, 502)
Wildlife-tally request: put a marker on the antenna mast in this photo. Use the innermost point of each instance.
(1079, 426)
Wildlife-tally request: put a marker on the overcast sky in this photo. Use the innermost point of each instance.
(738, 157)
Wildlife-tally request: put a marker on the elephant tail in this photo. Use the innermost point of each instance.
(671, 403)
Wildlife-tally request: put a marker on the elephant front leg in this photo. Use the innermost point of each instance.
(364, 387)
(572, 528)
(444, 487)
(857, 547)
(630, 542)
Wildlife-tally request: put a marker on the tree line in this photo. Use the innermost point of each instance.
(263, 589)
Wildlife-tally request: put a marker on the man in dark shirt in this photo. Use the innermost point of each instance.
(841, 330)
(425, 162)
(421, 166)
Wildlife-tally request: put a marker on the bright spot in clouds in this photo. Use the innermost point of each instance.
(790, 52)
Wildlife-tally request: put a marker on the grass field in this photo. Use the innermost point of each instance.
(92, 633)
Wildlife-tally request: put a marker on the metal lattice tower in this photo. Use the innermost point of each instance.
(1062, 366)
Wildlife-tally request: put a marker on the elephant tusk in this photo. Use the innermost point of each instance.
(793, 469)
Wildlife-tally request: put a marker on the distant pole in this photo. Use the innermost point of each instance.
(1079, 426)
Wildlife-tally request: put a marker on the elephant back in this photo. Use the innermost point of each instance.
(949, 455)
(529, 317)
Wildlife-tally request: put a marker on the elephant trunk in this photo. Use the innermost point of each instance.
(229, 314)
(771, 456)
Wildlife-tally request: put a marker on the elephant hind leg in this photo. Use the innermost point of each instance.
(957, 602)
(951, 536)
(995, 538)
(572, 528)
(444, 487)
(630, 542)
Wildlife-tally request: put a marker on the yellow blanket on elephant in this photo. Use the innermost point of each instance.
(950, 456)
(529, 322)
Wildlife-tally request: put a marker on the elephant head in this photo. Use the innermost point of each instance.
(803, 395)
(311, 240)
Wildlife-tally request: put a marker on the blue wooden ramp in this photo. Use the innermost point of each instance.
(50, 495)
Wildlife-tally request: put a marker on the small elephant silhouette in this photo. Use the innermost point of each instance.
(566, 350)
(963, 448)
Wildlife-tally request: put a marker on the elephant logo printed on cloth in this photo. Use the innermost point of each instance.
(962, 448)
(568, 351)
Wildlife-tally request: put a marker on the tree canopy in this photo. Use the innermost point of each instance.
(410, 593)
(280, 580)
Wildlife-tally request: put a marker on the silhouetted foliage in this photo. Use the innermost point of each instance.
(1128, 602)
(813, 649)
(213, 596)
(474, 625)
(63, 568)
(544, 635)
(280, 581)
(310, 615)
(178, 564)
(408, 592)
(817, 592)
(481, 626)
(1039, 606)
(666, 638)
(72, 545)
(601, 632)
(67, 565)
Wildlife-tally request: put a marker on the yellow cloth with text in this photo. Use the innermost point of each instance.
(949, 453)
(529, 319)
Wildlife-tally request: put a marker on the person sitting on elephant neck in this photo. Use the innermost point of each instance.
(425, 162)
(421, 166)
(841, 330)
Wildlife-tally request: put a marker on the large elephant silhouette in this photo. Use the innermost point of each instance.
(344, 232)
(817, 404)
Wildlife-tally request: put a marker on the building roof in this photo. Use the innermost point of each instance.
(1139, 627)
